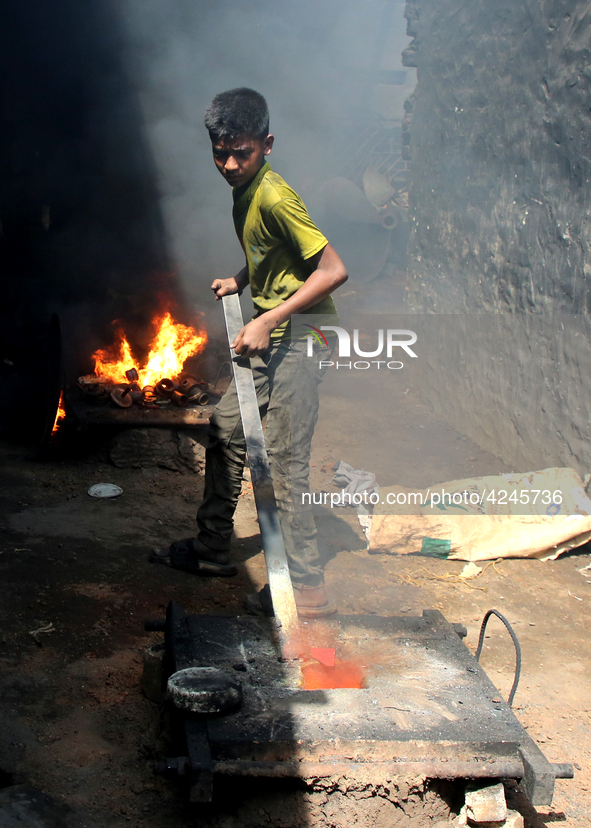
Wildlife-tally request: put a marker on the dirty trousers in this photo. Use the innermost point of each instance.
(286, 382)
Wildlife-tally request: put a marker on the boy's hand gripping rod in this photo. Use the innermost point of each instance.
(286, 616)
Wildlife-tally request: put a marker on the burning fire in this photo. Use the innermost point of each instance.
(60, 415)
(172, 344)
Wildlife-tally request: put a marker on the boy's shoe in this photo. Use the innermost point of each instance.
(311, 602)
(192, 556)
(259, 603)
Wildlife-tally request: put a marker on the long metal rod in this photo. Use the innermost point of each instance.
(286, 616)
(510, 768)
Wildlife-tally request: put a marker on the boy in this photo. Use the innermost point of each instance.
(291, 268)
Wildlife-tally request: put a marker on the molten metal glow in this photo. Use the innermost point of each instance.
(172, 345)
(60, 415)
(344, 674)
(322, 669)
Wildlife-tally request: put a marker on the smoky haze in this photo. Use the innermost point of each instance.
(312, 61)
(110, 203)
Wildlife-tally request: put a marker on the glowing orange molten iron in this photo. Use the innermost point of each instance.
(322, 670)
(318, 676)
(60, 414)
(172, 345)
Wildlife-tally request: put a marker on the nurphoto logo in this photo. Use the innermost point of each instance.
(387, 341)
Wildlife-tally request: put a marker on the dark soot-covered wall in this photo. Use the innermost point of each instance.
(81, 229)
(501, 158)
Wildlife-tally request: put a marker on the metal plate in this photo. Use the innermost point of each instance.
(427, 707)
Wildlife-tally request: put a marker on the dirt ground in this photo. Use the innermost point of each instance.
(76, 586)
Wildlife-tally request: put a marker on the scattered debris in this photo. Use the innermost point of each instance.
(464, 577)
(584, 571)
(356, 482)
(105, 490)
(353, 481)
(47, 628)
(471, 570)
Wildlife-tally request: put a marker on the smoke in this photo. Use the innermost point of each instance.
(312, 60)
(109, 199)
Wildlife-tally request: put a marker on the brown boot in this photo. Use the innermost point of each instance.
(313, 601)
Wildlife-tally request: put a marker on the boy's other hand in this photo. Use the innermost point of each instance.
(253, 339)
(224, 287)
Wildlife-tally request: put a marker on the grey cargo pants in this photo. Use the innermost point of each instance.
(286, 382)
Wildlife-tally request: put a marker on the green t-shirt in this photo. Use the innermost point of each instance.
(278, 237)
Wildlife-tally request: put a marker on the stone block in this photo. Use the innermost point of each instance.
(461, 820)
(410, 54)
(485, 802)
(138, 448)
(495, 824)
(514, 820)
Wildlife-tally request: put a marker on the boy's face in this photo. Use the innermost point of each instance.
(240, 159)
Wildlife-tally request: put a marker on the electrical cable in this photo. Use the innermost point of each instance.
(515, 642)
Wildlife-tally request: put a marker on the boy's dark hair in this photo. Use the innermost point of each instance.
(237, 112)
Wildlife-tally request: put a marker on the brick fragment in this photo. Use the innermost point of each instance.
(485, 802)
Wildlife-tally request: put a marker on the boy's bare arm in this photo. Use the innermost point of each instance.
(224, 287)
(328, 275)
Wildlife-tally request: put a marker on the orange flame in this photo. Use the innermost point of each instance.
(112, 363)
(60, 414)
(171, 346)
